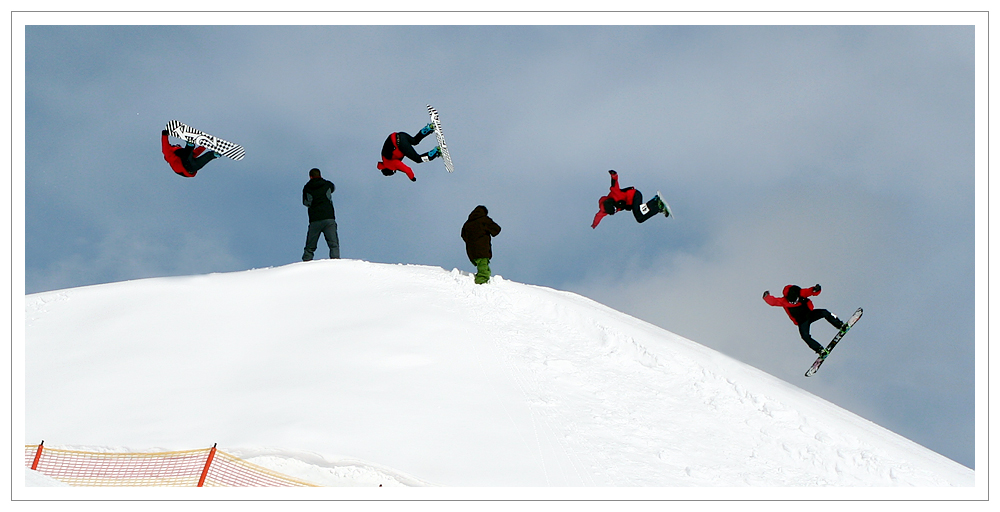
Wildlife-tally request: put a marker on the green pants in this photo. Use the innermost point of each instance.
(482, 270)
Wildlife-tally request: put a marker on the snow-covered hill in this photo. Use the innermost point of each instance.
(345, 372)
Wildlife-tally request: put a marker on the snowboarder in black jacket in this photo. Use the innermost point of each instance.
(317, 195)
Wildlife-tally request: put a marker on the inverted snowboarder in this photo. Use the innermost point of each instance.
(801, 310)
(186, 160)
(400, 144)
(630, 199)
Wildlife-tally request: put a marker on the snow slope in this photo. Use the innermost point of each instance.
(345, 372)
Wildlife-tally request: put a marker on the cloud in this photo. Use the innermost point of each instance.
(125, 253)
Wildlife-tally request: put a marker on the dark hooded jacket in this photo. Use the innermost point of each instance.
(477, 232)
(317, 195)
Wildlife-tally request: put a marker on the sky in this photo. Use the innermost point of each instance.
(837, 154)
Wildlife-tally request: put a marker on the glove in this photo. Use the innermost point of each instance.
(613, 173)
(166, 132)
(766, 293)
(817, 288)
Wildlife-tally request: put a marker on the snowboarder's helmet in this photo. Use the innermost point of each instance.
(793, 293)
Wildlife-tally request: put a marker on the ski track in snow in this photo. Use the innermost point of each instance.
(572, 393)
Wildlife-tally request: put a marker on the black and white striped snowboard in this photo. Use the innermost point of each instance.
(223, 147)
(436, 121)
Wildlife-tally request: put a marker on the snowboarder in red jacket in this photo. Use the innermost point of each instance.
(400, 144)
(186, 160)
(800, 309)
(619, 199)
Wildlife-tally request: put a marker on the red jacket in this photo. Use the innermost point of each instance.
(394, 160)
(170, 155)
(804, 302)
(622, 198)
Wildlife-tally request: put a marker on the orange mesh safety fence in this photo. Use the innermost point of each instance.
(206, 467)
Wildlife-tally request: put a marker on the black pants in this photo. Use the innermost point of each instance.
(405, 143)
(806, 321)
(653, 207)
(190, 163)
(326, 227)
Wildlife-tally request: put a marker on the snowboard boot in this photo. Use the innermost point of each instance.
(434, 153)
(664, 208)
(427, 129)
(823, 353)
(843, 325)
(216, 154)
(662, 205)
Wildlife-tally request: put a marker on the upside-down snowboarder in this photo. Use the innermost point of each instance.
(185, 160)
(800, 309)
(630, 199)
(400, 144)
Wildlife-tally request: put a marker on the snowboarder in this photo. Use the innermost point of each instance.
(186, 160)
(619, 199)
(400, 144)
(317, 195)
(477, 233)
(800, 309)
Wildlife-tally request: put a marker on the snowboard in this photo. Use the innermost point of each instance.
(436, 121)
(664, 207)
(223, 147)
(836, 339)
(667, 212)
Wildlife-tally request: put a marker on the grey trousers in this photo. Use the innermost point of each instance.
(328, 227)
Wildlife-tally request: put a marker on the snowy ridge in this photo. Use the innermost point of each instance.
(345, 372)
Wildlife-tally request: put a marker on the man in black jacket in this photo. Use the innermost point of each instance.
(317, 196)
(478, 232)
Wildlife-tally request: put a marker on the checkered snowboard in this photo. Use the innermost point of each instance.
(436, 121)
(223, 147)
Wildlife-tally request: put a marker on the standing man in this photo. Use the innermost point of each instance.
(477, 233)
(317, 195)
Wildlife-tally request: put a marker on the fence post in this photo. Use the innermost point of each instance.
(38, 455)
(208, 462)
